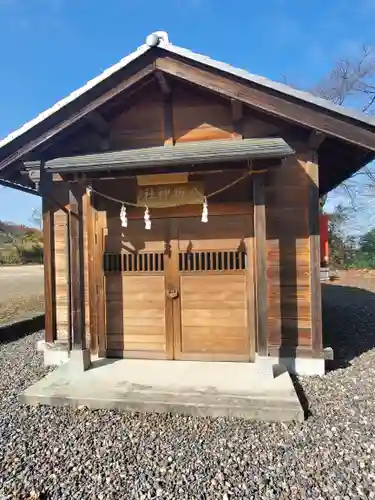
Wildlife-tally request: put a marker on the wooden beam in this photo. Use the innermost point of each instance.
(89, 216)
(101, 230)
(250, 291)
(163, 83)
(260, 264)
(284, 107)
(77, 278)
(19, 187)
(49, 271)
(168, 121)
(98, 123)
(312, 170)
(237, 118)
(316, 139)
(93, 105)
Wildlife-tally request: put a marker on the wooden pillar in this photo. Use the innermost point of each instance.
(260, 263)
(49, 271)
(312, 170)
(77, 267)
(90, 215)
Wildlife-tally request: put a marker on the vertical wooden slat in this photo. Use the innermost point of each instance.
(260, 263)
(250, 288)
(100, 283)
(168, 120)
(49, 272)
(77, 267)
(237, 118)
(207, 261)
(314, 241)
(92, 288)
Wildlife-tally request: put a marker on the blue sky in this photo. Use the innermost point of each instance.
(50, 47)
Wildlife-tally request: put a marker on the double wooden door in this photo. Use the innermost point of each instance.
(181, 290)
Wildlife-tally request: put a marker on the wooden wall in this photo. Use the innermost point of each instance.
(288, 257)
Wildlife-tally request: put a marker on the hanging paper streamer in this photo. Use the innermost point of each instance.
(205, 211)
(123, 217)
(147, 219)
(89, 190)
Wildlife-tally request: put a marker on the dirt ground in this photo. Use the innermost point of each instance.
(21, 292)
(357, 278)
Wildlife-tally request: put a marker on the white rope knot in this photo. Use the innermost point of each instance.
(205, 211)
(123, 217)
(147, 219)
(89, 191)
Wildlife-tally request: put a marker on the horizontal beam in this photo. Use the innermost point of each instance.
(19, 187)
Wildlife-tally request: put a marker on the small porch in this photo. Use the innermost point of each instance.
(259, 391)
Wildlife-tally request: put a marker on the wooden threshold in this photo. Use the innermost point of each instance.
(110, 353)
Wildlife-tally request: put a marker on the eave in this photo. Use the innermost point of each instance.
(191, 153)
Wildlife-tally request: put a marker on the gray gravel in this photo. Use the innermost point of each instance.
(60, 453)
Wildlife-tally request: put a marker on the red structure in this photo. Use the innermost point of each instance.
(324, 250)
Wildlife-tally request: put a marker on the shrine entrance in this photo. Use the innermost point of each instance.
(180, 290)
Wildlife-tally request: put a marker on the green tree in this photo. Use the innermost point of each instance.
(342, 248)
(367, 242)
(366, 253)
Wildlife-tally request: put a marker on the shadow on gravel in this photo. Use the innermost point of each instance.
(20, 328)
(301, 396)
(348, 322)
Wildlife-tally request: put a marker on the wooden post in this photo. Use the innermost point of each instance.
(312, 170)
(90, 215)
(260, 264)
(49, 271)
(168, 120)
(77, 267)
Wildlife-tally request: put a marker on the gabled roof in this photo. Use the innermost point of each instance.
(160, 39)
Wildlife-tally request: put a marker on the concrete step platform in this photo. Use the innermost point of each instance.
(244, 390)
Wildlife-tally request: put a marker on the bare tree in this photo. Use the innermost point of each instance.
(351, 82)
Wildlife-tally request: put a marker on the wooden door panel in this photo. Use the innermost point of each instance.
(134, 325)
(137, 308)
(213, 284)
(212, 327)
(205, 340)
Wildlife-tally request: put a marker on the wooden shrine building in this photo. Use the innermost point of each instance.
(181, 209)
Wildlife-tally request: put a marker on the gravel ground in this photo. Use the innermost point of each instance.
(60, 453)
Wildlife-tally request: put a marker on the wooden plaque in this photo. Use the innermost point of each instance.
(166, 195)
(156, 179)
